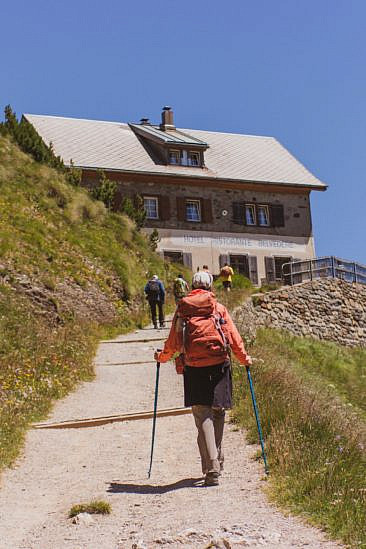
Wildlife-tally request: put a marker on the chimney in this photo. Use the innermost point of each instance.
(167, 122)
(145, 122)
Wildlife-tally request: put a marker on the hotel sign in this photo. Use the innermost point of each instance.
(236, 242)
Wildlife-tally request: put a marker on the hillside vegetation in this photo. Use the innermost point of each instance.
(71, 272)
(311, 397)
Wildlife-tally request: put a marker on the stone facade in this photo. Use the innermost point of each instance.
(296, 205)
(328, 309)
(217, 237)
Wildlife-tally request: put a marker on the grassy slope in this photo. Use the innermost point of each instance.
(52, 230)
(311, 396)
(54, 233)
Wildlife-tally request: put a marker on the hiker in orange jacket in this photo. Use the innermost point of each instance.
(203, 333)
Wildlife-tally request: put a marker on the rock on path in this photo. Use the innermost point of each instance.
(63, 467)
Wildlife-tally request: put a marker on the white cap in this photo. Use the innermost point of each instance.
(155, 277)
(202, 280)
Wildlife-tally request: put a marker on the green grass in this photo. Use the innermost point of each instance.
(238, 281)
(53, 233)
(37, 365)
(311, 397)
(95, 507)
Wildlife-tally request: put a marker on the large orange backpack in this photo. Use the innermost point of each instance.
(204, 340)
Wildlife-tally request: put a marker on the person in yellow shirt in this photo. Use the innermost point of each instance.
(226, 273)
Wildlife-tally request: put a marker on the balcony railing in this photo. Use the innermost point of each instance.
(323, 267)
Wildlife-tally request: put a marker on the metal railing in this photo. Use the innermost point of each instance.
(323, 267)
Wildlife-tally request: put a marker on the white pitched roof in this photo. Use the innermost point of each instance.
(115, 146)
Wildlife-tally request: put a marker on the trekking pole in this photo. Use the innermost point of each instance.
(154, 418)
(266, 470)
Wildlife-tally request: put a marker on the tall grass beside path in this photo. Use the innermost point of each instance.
(37, 365)
(311, 402)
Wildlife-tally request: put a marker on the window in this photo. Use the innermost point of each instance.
(263, 216)
(174, 157)
(239, 264)
(250, 214)
(193, 210)
(151, 207)
(193, 159)
(174, 257)
(184, 158)
(258, 215)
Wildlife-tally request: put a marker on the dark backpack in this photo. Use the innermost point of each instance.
(153, 290)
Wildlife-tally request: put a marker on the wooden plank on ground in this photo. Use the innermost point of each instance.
(97, 421)
(126, 363)
(134, 340)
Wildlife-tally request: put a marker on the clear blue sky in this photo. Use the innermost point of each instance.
(293, 69)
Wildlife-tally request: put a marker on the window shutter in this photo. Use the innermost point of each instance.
(187, 260)
(181, 208)
(223, 258)
(164, 207)
(269, 263)
(253, 269)
(206, 206)
(277, 215)
(239, 213)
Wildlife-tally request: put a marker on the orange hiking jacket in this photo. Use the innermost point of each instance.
(174, 343)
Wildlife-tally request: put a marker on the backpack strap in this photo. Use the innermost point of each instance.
(218, 323)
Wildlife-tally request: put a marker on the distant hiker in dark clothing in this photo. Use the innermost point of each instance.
(204, 333)
(180, 288)
(155, 294)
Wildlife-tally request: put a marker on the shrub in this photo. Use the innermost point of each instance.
(82, 208)
(27, 138)
(154, 240)
(239, 281)
(135, 210)
(73, 175)
(105, 191)
(29, 141)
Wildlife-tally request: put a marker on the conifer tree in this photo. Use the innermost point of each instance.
(154, 240)
(105, 190)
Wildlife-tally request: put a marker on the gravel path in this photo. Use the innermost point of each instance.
(67, 466)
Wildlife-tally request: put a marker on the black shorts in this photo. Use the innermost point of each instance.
(208, 385)
(226, 283)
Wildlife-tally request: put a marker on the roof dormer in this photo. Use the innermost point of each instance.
(169, 145)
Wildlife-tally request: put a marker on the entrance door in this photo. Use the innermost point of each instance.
(240, 264)
(174, 257)
(279, 262)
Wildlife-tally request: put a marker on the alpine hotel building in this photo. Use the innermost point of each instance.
(213, 197)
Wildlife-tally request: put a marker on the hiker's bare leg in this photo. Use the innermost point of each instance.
(219, 422)
(203, 417)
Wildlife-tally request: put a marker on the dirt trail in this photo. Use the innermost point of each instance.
(63, 467)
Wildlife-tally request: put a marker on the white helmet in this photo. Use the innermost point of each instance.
(202, 280)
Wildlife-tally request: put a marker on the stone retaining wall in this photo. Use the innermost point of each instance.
(329, 309)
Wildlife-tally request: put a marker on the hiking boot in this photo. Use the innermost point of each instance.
(211, 478)
(155, 326)
(162, 325)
